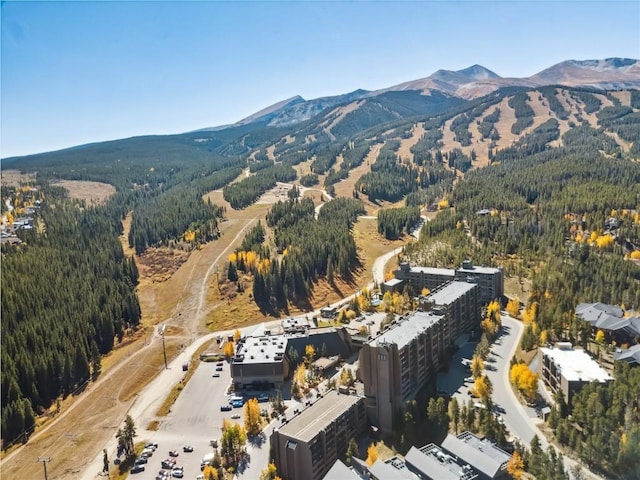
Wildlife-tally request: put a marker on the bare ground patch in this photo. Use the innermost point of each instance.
(404, 151)
(92, 193)
(14, 178)
(504, 124)
(344, 188)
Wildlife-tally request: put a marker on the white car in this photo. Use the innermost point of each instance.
(235, 416)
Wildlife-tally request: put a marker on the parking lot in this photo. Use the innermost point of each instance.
(195, 419)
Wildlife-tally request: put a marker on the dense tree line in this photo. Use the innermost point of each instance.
(354, 155)
(260, 165)
(591, 102)
(550, 94)
(247, 191)
(390, 180)
(309, 180)
(286, 214)
(458, 160)
(168, 215)
(623, 121)
(635, 99)
(393, 222)
(310, 249)
(66, 296)
(586, 137)
(325, 159)
(602, 424)
(488, 125)
(523, 112)
(430, 140)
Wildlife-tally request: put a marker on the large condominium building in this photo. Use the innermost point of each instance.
(490, 280)
(397, 363)
(460, 301)
(309, 444)
(566, 370)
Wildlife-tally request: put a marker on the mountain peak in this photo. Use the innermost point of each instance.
(478, 72)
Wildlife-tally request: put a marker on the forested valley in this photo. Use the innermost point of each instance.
(539, 209)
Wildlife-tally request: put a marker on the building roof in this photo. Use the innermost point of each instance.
(392, 469)
(590, 311)
(631, 355)
(450, 292)
(608, 317)
(480, 270)
(576, 365)
(265, 349)
(339, 471)
(403, 332)
(295, 323)
(434, 271)
(314, 419)
(432, 462)
(393, 282)
(481, 454)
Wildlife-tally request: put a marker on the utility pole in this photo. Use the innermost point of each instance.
(44, 461)
(164, 350)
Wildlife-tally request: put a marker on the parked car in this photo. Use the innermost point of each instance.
(219, 364)
(499, 409)
(173, 453)
(140, 461)
(218, 369)
(469, 379)
(216, 375)
(168, 463)
(263, 397)
(153, 445)
(187, 448)
(137, 469)
(177, 472)
(235, 416)
(225, 408)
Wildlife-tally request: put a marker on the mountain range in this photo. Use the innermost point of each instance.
(469, 83)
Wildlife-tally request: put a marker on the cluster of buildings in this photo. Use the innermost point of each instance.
(462, 457)
(610, 319)
(311, 444)
(565, 370)
(393, 366)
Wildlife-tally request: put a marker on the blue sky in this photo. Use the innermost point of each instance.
(79, 72)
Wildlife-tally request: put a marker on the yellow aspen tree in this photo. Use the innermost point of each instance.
(515, 466)
(477, 365)
(252, 418)
(372, 454)
(237, 335)
(228, 349)
(513, 307)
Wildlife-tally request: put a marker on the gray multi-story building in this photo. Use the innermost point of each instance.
(489, 280)
(397, 363)
(461, 303)
(309, 444)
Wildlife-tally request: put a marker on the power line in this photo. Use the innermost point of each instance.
(44, 461)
